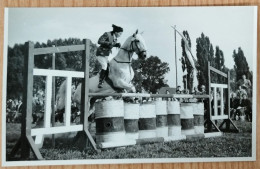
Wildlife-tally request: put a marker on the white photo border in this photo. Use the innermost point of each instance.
(125, 161)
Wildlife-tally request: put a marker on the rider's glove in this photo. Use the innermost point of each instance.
(118, 45)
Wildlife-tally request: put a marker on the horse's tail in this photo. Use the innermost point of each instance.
(60, 97)
(77, 95)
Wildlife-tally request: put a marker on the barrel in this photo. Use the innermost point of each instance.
(198, 113)
(147, 120)
(174, 120)
(161, 118)
(131, 120)
(187, 119)
(110, 121)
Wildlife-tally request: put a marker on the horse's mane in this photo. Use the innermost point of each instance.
(127, 41)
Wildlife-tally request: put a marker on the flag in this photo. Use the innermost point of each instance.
(190, 58)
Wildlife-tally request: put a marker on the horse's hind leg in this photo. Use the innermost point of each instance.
(92, 102)
(91, 117)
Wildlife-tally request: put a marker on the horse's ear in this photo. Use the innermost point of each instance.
(135, 33)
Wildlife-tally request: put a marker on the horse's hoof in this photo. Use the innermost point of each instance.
(129, 100)
(133, 89)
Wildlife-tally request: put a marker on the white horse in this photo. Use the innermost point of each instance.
(120, 72)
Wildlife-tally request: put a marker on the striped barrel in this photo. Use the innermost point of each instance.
(174, 120)
(131, 120)
(187, 119)
(110, 121)
(198, 113)
(147, 120)
(161, 118)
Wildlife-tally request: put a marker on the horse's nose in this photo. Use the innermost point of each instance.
(144, 55)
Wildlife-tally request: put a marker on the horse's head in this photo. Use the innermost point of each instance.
(138, 45)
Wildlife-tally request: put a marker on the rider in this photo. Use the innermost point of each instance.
(107, 41)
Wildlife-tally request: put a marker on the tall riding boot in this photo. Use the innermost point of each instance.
(101, 78)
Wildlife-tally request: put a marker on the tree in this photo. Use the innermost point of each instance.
(220, 64)
(241, 66)
(186, 65)
(63, 61)
(233, 80)
(149, 74)
(15, 71)
(204, 54)
(219, 59)
(138, 78)
(211, 56)
(233, 75)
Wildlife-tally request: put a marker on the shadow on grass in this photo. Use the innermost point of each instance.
(229, 145)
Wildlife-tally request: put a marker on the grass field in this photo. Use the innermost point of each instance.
(228, 145)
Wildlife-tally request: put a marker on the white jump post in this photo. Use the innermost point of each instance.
(47, 113)
(218, 115)
(26, 142)
(215, 115)
(68, 101)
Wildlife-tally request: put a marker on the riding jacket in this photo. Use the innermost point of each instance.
(107, 42)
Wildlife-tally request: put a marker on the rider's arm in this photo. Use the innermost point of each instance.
(104, 40)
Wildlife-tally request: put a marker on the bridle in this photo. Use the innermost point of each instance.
(138, 49)
(131, 50)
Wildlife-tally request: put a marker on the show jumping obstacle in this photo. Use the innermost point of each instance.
(147, 121)
(26, 142)
(198, 113)
(161, 118)
(174, 120)
(110, 128)
(187, 119)
(131, 118)
(118, 123)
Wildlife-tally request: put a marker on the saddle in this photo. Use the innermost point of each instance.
(110, 82)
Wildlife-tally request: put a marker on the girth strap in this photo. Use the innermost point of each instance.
(121, 61)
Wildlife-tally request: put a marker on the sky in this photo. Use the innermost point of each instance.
(226, 27)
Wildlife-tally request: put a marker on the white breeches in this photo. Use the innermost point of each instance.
(103, 60)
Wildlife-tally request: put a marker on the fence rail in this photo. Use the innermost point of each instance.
(148, 95)
(59, 73)
(59, 49)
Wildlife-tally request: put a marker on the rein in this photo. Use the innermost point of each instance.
(131, 51)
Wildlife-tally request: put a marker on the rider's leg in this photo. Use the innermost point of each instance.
(103, 60)
(102, 76)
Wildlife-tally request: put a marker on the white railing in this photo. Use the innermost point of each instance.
(216, 115)
(47, 128)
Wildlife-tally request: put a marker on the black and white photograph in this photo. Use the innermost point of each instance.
(117, 85)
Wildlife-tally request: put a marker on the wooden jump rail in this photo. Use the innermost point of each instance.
(224, 113)
(148, 95)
